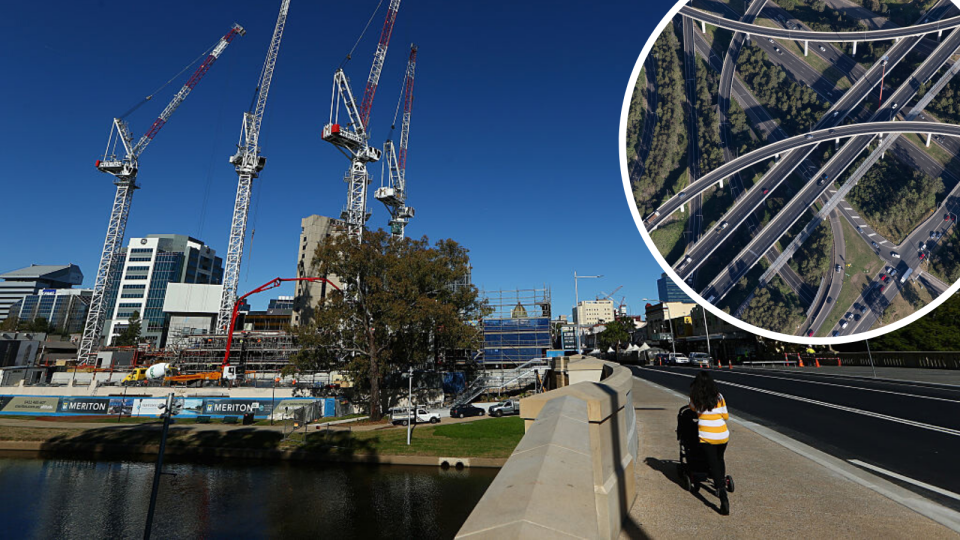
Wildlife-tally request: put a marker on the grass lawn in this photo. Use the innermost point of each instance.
(493, 437)
(669, 238)
(864, 264)
(910, 299)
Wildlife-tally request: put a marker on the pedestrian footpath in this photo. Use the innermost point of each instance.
(780, 491)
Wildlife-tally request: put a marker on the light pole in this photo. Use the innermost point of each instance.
(706, 330)
(273, 401)
(411, 418)
(576, 307)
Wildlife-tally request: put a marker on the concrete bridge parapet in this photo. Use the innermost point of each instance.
(573, 471)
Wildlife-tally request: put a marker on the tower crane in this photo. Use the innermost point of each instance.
(248, 163)
(125, 171)
(352, 138)
(394, 194)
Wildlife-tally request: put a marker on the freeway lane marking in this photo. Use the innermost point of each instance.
(851, 387)
(892, 474)
(853, 410)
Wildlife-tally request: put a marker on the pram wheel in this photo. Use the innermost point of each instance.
(729, 483)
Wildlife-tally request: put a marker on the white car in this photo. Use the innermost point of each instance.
(822, 48)
(770, 40)
(894, 254)
(678, 359)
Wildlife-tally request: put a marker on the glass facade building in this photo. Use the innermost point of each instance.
(64, 309)
(670, 291)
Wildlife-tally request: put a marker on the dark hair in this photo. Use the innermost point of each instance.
(703, 392)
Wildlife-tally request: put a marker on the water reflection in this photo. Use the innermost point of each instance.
(86, 499)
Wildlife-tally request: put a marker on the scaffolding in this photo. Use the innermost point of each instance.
(516, 328)
(249, 351)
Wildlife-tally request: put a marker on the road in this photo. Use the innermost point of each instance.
(885, 34)
(837, 164)
(695, 221)
(908, 428)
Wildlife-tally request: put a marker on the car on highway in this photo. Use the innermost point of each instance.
(859, 229)
(881, 288)
(894, 254)
(765, 191)
(822, 48)
(829, 299)
(810, 333)
(922, 255)
(923, 246)
(778, 50)
(723, 225)
(466, 410)
(836, 333)
(884, 278)
(712, 298)
(843, 324)
(894, 106)
(939, 234)
(856, 316)
(677, 359)
(770, 40)
(836, 113)
(933, 234)
(682, 194)
(839, 268)
(876, 245)
(809, 136)
(848, 315)
(946, 217)
(701, 359)
(892, 271)
(687, 259)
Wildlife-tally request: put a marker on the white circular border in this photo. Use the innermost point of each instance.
(628, 191)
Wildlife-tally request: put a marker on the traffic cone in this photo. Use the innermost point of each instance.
(817, 361)
(800, 360)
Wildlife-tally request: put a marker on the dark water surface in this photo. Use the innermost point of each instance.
(108, 499)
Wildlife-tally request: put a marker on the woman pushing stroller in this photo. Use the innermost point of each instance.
(711, 411)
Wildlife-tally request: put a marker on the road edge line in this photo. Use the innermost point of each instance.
(923, 506)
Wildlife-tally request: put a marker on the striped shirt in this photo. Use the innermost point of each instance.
(713, 429)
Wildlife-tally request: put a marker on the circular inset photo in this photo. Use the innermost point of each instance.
(794, 165)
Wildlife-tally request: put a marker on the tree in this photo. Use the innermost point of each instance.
(131, 334)
(399, 304)
(616, 332)
(9, 324)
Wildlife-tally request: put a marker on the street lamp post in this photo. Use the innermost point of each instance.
(576, 292)
(413, 416)
(706, 330)
(273, 402)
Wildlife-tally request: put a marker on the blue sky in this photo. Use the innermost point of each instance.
(513, 142)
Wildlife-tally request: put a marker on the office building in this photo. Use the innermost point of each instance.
(63, 309)
(18, 284)
(281, 302)
(191, 309)
(591, 312)
(669, 291)
(150, 264)
(313, 229)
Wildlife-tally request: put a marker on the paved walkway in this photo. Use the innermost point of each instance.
(781, 491)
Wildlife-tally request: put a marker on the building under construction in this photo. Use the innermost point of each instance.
(517, 326)
(249, 351)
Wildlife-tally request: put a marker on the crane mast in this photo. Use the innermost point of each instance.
(248, 164)
(394, 194)
(125, 171)
(352, 138)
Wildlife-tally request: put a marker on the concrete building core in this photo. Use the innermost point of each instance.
(313, 229)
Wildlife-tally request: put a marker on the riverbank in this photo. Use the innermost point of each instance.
(481, 443)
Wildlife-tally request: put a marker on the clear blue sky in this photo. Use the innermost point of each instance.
(513, 144)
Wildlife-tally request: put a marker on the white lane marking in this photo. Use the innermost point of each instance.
(872, 234)
(921, 384)
(892, 474)
(904, 421)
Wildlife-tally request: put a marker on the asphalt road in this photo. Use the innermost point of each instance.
(908, 428)
(695, 222)
(801, 35)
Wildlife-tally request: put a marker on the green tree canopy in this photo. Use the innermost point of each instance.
(400, 303)
(616, 332)
(131, 334)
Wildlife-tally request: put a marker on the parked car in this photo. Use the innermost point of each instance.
(510, 406)
(678, 359)
(701, 359)
(404, 415)
(462, 411)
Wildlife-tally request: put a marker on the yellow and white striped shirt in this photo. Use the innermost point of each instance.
(712, 428)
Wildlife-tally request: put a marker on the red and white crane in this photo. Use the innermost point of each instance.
(352, 138)
(394, 194)
(248, 164)
(125, 169)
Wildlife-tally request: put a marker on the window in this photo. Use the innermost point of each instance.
(130, 286)
(142, 250)
(140, 259)
(129, 304)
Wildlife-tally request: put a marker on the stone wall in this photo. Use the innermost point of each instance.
(573, 471)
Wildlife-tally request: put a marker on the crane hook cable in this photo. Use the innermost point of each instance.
(350, 54)
(164, 85)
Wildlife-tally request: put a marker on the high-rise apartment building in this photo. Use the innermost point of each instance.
(313, 229)
(669, 291)
(591, 312)
(149, 265)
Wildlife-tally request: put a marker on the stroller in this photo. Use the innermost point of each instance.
(692, 467)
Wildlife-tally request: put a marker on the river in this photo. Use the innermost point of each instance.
(58, 498)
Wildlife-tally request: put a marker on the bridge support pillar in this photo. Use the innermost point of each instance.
(854, 48)
(703, 27)
(777, 157)
(836, 143)
(806, 47)
(720, 184)
(897, 40)
(682, 209)
(748, 37)
(939, 35)
(928, 139)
